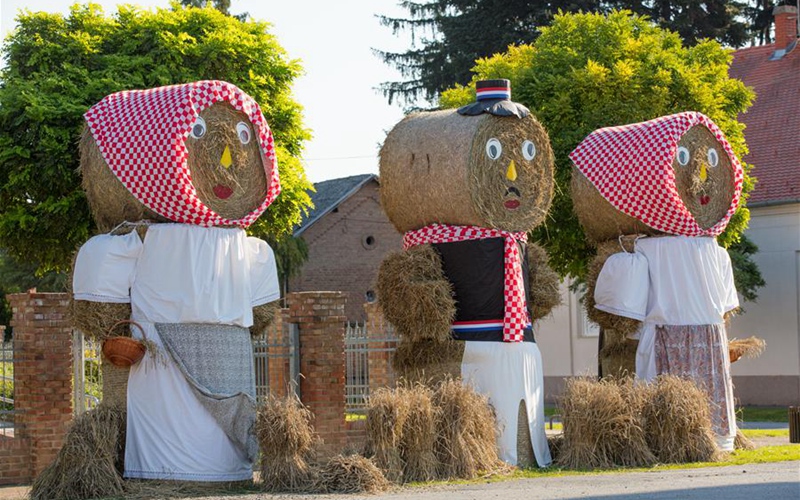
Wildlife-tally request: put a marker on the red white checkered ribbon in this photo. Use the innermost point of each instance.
(631, 166)
(515, 317)
(141, 135)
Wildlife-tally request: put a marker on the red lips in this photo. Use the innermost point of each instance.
(511, 204)
(222, 192)
(705, 199)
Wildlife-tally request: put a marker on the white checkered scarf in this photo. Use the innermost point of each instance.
(631, 166)
(141, 135)
(515, 316)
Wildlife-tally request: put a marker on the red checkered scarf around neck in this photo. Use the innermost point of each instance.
(515, 316)
(631, 166)
(141, 135)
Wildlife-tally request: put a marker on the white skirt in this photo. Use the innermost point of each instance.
(507, 373)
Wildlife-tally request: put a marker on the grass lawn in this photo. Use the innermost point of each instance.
(763, 414)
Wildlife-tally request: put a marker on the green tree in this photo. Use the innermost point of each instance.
(588, 71)
(290, 255)
(448, 36)
(58, 66)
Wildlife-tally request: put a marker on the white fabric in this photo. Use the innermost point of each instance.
(180, 274)
(690, 282)
(622, 285)
(507, 373)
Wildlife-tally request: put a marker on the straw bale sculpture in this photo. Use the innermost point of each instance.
(465, 186)
(173, 175)
(653, 196)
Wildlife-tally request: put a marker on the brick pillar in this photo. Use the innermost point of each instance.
(379, 357)
(42, 372)
(321, 320)
(278, 367)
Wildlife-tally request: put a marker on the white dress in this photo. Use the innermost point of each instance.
(688, 286)
(182, 275)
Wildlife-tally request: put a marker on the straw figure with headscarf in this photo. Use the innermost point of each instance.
(173, 176)
(653, 196)
(465, 187)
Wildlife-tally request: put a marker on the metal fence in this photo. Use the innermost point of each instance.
(88, 378)
(6, 388)
(277, 361)
(360, 346)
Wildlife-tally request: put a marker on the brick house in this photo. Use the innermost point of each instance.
(348, 235)
(773, 137)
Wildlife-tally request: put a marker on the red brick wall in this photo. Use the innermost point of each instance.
(42, 384)
(339, 257)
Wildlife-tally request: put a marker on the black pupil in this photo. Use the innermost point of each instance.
(493, 150)
(198, 130)
(530, 149)
(243, 135)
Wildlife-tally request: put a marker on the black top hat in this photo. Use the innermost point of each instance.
(494, 97)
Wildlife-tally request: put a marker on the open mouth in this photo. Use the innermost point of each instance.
(705, 199)
(222, 192)
(513, 203)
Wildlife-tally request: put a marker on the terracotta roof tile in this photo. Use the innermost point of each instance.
(773, 122)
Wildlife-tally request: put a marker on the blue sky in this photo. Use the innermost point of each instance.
(334, 42)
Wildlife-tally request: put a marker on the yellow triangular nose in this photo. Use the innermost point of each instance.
(511, 173)
(226, 159)
(703, 172)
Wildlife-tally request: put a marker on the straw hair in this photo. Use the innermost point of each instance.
(110, 202)
(428, 361)
(89, 463)
(466, 431)
(752, 347)
(285, 436)
(600, 220)
(414, 294)
(719, 185)
(350, 474)
(545, 294)
(678, 421)
(434, 168)
(246, 175)
(602, 425)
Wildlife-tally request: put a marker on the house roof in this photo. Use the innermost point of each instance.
(329, 195)
(773, 122)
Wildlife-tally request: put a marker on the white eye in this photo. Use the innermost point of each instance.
(713, 157)
(493, 148)
(243, 131)
(199, 128)
(683, 155)
(528, 150)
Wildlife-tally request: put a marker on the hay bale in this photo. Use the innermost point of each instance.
(742, 442)
(545, 294)
(286, 438)
(90, 463)
(602, 425)
(678, 421)
(433, 168)
(428, 361)
(387, 411)
(525, 455)
(752, 347)
(95, 319)
(414, 294)
(350, 474)
(418, 434)
(466, 432)
(263, 316)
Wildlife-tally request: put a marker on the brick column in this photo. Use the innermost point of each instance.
(278, 367)
(321, 321)
(42, 372)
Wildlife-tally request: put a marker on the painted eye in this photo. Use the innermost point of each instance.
(528, 150)
(713, 157)
(493, 148)
(683, 156)
(199, 128)
(243, 131)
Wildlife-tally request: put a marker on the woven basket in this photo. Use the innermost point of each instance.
(124, 351)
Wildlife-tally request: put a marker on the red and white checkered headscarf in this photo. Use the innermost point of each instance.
(141, 135)
(631, 166)
(515, 315)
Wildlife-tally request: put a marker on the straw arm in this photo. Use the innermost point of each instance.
(543, 283)
(95, 319)
(263, 316)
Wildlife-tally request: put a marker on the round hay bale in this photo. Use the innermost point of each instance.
(466, 432)
(90, 463)
(428, 361)
(286, 438)
(677, 421)
(434, 168)
(350, 474)
(602, 425)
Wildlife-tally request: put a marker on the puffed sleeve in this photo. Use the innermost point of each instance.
(730, 299)
(263, 272)
(623, 285)
(104, 268)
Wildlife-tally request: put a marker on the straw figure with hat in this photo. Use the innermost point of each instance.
(173, 175)
(653, 196)
(465, 187)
